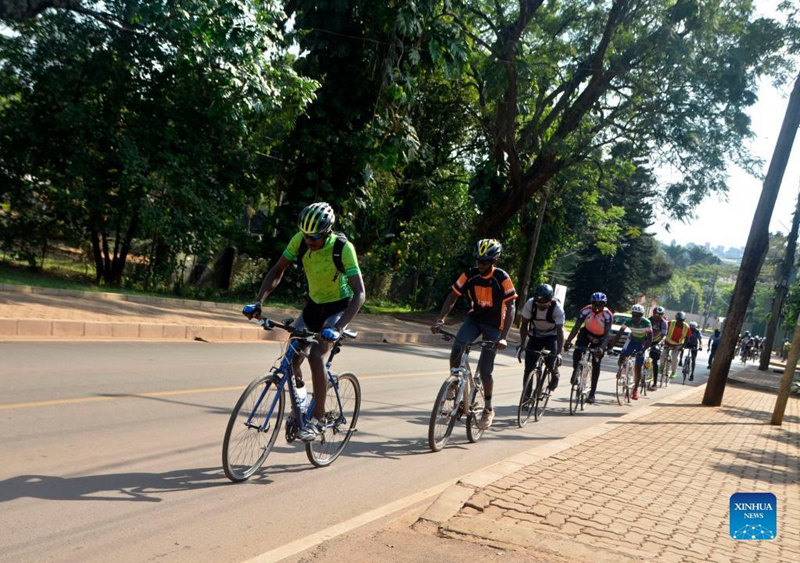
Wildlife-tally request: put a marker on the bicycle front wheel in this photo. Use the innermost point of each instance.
(252, 428)
(477, 404)
(686, 369)
(443, 415)
(526, 402)
(342, 405)
(542, 395)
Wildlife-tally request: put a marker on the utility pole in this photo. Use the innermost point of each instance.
(710, 302)
(782, 277)
(754, 252)
(526, 278)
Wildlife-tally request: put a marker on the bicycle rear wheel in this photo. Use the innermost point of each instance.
(686, 368)
(665, 372)
(341, 415)
(443, 416)
(476, 410)
(622, 375)
(542, 395)
(526, 402)
(245, 446)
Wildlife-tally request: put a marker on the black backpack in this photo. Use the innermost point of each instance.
(338, 246)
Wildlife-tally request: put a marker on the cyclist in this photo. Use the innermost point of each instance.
(785, 348)
(713, 344)
(694, 342)
(543, 322)
(640, 337)
(592, 327)
(745, 343)
(334, 297)
(491, 294)
(677, 331)
(659, 331)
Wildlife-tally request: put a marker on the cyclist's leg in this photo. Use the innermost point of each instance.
(316, 317)
(655, 355)
(595, 374)
(637, 371)
(549, 343)
(581, 342)
(486, 362)
(674, 352)
(468, 332)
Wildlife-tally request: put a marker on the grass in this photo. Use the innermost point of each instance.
(63, 273)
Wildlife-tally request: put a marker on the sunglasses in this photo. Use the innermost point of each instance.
(315, 237)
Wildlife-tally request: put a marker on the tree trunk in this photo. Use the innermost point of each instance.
(754, 252)
(781, 288)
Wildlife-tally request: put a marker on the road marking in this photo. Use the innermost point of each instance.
(118, 396)
(297, 546)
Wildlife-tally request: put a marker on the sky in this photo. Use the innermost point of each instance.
(727, 223)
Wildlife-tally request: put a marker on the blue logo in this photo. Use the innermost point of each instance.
(754, 516)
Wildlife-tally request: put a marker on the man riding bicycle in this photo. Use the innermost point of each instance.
(639, 338)
(659, 331)
(335, 295)
(677, 331)
(592, 327)
(543, 322)
(694, 341)
(491, 294)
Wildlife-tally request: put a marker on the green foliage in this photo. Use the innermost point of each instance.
(136, 123)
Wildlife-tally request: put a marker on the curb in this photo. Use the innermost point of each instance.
(450, 502)
(36, 329)
(41, 329)
(109, 296)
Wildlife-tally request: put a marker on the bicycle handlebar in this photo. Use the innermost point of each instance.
(447, 335)
(297, 333)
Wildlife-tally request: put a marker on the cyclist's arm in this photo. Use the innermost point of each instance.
(617, 337)
(559, 338)
(575, 328)
(448, 304)
(523, 332)
(509, 319)
(359, 296)
(273, 278)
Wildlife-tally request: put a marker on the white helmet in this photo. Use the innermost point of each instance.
(692, 324)
(637, 309)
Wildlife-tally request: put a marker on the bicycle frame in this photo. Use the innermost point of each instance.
(286, 369)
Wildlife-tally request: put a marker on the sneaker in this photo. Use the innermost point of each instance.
(486, 419)
(553, 383)
(635, 395)
(672, 376)
(651, 387)
(574, 379)
(691, 378)
(590, 399)
(311, 430)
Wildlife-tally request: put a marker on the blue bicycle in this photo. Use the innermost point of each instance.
(256, 419)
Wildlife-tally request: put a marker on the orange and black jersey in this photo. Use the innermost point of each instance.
(487, 294)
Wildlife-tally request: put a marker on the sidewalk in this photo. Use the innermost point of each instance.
(39, 313)
(653, 485)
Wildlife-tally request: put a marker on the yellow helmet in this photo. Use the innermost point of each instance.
(488, 249)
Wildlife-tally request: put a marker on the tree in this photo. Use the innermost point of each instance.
(755, 251)
(556, 81)
(138, 122)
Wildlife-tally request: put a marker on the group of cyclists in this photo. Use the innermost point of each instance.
(750, 347)
(336, 293)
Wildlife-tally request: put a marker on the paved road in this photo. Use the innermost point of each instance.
(112, 449)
